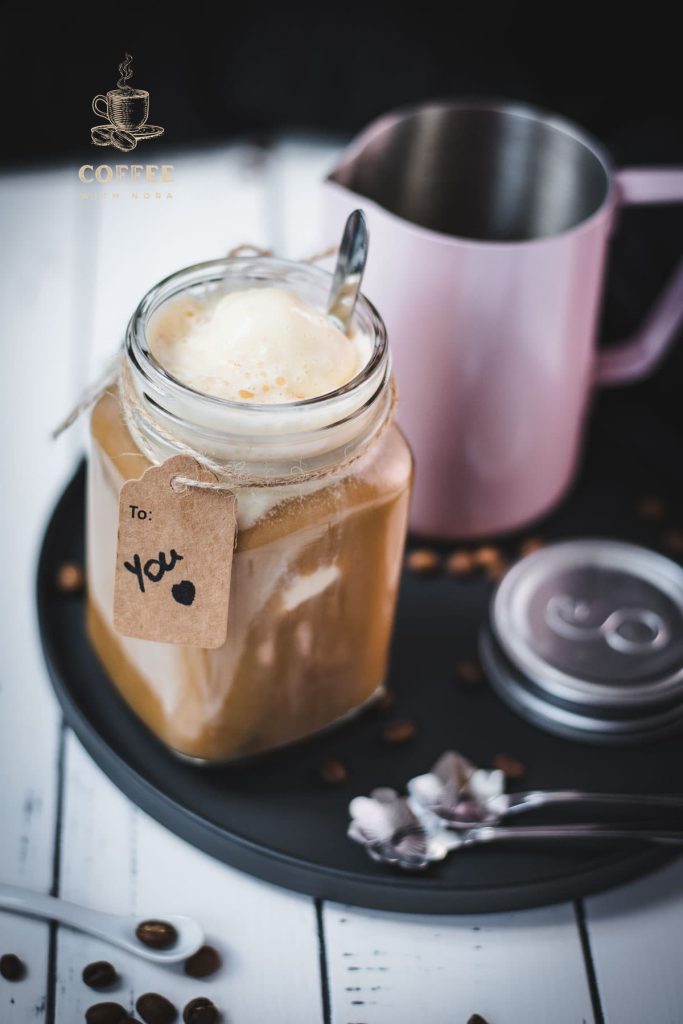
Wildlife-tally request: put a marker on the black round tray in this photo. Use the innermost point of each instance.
(274, 818)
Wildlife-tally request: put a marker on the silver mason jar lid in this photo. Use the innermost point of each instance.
(586, 639)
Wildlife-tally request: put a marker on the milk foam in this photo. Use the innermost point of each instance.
(270, 343)
(259, 345)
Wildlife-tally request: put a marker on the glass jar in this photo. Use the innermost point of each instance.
(317, 561)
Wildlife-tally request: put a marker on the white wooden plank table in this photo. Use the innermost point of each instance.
(73, 270)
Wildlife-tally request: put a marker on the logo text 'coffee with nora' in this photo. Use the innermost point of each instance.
(125, 111)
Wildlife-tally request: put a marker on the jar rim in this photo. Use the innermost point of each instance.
(209, 272)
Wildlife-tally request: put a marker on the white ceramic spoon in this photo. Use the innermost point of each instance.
(113, 928)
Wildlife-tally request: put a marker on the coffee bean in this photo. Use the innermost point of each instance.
(486, 557)
(672, 542)
(156, 934)
(476, 1018)
(469, 673)
(106, 1013)
(100, 974)
(460, 563)
(400, 730)
(70, 578)
(123, 140)
(528, 546)
(11, 967)
(100, 135)
(333, 773)
(651, 508)
(513, 768)
(200, 1011)
(385, 702)
(156, 1009)
(204, 962)
(495, 573)
(423, 562)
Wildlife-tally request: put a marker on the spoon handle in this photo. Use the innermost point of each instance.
(494, 833)
(518, 802)
(36, 904)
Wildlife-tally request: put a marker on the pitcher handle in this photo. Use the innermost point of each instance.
(639, 355)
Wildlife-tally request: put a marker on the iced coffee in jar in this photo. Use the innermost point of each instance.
(236, 361)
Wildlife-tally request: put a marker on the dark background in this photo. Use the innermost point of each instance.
(217, 72)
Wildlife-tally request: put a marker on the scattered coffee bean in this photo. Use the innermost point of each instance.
(512, 766)
(460, 563)
(200, 1011)
(156, 1009)
(399, 730)
(385, 702)
(651, 508)
(486, 557)
(476, 1018)
(157, 934)
(11, 967)
(423, 562)
(332, 773)
(672, 542)
(469, 673)
(528, 546)
(204, 962)
(100, 974)
(70, 578)
(107, 1013)
(495, 573)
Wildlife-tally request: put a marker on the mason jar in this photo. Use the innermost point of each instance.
(322, 489)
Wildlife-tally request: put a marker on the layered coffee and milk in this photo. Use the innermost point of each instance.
(253, 374)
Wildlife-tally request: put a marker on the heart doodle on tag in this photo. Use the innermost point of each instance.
(183, 592)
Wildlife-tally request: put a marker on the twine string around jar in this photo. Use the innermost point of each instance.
(230, 476)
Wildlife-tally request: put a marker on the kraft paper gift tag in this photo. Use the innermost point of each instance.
(174, 556)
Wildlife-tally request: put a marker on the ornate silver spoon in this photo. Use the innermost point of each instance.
(460, 795)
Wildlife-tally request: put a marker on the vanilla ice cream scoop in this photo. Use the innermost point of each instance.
(258, 345)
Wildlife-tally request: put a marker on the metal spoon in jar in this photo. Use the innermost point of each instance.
(184, 935)
(348, 273)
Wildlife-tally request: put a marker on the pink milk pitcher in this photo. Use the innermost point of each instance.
(489, 226)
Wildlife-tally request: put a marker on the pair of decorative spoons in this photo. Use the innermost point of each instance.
(456, 806)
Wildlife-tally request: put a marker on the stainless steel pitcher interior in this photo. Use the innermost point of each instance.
(491, 172)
